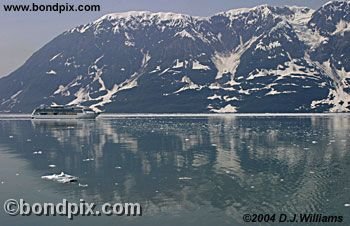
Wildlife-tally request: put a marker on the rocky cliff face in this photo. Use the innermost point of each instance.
(263, 59)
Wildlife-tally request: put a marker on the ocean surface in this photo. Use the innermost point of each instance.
(182, 169)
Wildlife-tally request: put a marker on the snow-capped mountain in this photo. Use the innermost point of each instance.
(262, 59)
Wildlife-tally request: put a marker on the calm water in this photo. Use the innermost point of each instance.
(233, 164)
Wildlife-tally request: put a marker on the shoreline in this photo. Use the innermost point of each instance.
(183, 115)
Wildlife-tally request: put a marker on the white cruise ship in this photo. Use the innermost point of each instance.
(63, 112)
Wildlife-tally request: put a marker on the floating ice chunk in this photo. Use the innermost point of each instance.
(17, 174)
(312, 172)
(52, 166)
(61, 178)
(29, 140)
(281, 180)
(185, 178)
(37, 152)
(118, 167)
(347, 204)
(88, 160)
(83, 185)
(252, 186)
(314, 142)
(10, 137)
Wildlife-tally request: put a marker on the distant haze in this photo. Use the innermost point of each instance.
(24, 33)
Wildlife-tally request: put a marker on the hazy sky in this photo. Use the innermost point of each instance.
(24, 33)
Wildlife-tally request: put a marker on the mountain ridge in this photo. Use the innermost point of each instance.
(262, 59)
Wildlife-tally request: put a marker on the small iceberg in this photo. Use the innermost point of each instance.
(61, 178)
(185, 178)
(88, 160)
(83, 185)
(37, 152)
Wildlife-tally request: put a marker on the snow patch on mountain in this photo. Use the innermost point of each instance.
(215, 96)
(338, 98)
(275, 92)
(342, 27)
(189, 85)
(198, 66)
(178, 64)
(54, 57)
(228, 98)
(51, 72)
(129, 40)
(184, 34)
(81, 95)
(16, 94)
(63, 90)
(270, 46)
(289, 69)
(228, 62)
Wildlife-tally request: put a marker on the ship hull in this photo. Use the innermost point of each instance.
(76, 116)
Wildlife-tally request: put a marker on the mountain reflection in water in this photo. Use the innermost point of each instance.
(227, 165)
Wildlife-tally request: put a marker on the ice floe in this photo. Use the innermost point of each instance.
(83, 185)
(88, 160)
(61, 178)
(185, 178)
